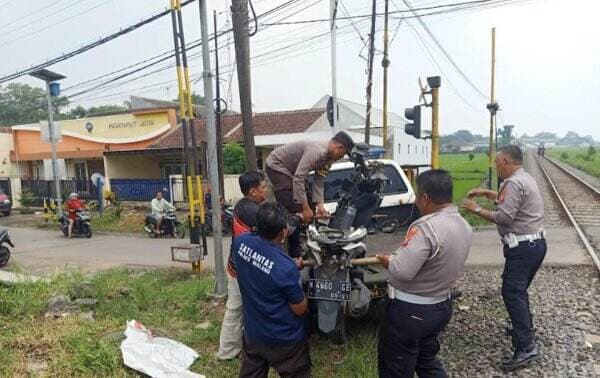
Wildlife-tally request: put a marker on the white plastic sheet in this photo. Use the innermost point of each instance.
(157, 357)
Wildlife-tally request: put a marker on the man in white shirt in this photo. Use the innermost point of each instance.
(159, 207)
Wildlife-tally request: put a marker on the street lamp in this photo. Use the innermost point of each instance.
(52, 89)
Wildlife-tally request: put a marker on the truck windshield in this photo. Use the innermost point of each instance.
(335, 178)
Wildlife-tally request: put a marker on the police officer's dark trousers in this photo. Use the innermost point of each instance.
(408, 339)
(522, 263)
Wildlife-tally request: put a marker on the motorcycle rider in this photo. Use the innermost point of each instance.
(287, 167)
(73, 205)
(159, 207)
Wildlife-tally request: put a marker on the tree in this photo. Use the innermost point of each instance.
(81, 112)
(506, 135)
(21, 103)
(234, 159)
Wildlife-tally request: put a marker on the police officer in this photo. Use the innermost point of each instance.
(421, 274)
(287, 168)
(519, 217)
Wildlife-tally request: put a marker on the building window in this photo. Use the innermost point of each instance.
(408, 149)
(399, 148)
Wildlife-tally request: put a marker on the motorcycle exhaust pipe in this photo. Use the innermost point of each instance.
(355, 262)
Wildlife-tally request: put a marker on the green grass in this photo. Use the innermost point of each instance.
(467, 174)
(171, 303)
(579, 158)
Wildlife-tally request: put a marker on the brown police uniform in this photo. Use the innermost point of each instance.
(287, 169)
(421, 274)
(519, 217)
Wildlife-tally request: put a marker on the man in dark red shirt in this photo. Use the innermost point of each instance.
(254, 188)
(73, 204)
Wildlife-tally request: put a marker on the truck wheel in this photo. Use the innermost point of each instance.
(338, 335)
(4, 256)
(6, 213)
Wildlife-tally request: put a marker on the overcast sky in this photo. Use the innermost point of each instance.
(548, 56)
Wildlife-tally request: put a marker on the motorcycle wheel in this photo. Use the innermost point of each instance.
(150, 231)
(87, 231)
(178, 231)
(64, 228)
(4, 256)
(338, 335)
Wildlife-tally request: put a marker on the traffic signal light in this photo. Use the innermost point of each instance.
(330, 111)
(413, 114)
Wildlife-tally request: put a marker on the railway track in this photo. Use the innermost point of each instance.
(578, 200)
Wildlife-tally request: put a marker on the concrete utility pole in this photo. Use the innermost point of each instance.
(385, 63)
(493, 108)
(218, 111)
(213, 167)
(370, 74)
(239, 11)
(333, 13)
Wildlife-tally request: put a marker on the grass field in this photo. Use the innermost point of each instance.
(580, 158)
(172, 303)
(467, 174)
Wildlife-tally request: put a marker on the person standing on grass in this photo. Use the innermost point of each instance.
(421, 274)
(254, 188)
(274, 303)
(519, 216)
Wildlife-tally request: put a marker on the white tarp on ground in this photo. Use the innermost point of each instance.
(157, 357)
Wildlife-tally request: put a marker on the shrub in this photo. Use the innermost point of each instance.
(591, 151)
(234, 159)
(471, 157)
(28, 198)
(564, 156)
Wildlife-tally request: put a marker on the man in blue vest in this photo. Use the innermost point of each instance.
(274, 303)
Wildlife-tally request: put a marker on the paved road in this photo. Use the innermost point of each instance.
(42, 252)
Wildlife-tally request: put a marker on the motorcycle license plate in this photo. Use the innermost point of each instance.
(329, 290)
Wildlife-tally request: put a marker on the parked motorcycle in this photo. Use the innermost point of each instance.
(4, 251)
(81, 227)
(226, 220)
(169, 226)
(341, 281)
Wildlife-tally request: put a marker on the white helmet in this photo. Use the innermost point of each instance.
(73, 195)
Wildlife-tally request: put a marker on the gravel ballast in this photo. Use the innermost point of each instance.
(565, 305)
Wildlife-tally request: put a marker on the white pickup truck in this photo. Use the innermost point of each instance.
(399, 196)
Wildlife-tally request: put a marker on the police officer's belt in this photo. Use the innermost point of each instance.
(512, 240)
(414, 298)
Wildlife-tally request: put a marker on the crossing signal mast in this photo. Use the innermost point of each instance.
(414, 114)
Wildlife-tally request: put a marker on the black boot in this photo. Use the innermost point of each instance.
(521, 359)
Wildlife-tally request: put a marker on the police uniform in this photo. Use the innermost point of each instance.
(519, 217)
(421, 274)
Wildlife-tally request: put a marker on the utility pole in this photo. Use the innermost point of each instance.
(239, 11)
(493, 108)
(385, 63)
(435, 83)
(218, 111)
(213, 174)
(370, 73)
(52, 88)
(333, 13)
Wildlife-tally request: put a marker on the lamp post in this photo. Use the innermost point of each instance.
(52, 88)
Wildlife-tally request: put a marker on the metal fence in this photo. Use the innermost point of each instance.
(45, 189)
(139, 189)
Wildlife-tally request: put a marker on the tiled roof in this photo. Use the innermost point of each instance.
(273, 123)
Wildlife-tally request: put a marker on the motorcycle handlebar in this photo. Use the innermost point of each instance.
(355, 262)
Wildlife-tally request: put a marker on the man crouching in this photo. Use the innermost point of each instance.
(274, 303)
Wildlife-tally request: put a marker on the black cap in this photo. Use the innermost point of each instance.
(345, 140)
